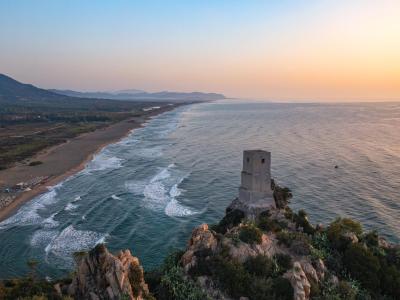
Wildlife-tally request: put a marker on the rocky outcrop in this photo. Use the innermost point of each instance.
(101, 275)
(299, 281)
(202, 240)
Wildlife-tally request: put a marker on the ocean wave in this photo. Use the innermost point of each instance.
(103, 161)
(151, 152)
(50, 222)
(71, 240)
(70, 207)
(115, 197)
(135, 187)
(42, 237)
(28, 214)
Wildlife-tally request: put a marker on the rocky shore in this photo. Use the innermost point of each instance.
(278, 254)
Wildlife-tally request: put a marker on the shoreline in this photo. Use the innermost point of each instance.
(110, 134)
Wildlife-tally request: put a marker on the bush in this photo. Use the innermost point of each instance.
(298, 242)
(303, 222)
(267, 224)
(231, 219)
(390, 281)
(284, 262)
(363, 266)
(347, 291)
(282, 288)
(232, 277)
(180, 287)
(371, 239)
(250, 234)
(338, 228)
(261, 266)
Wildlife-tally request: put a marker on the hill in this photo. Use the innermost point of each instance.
(144, 96)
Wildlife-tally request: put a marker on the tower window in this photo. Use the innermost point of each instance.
(263, 160)
(248, 159)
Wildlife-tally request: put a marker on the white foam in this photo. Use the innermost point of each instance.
(78, 198)
(115, 197)
(71, 240)
(70, 207)
(103, 161)
(28, 214)
(50, 222)
(135, 187)
(42, 237)
(149, 152)
(175, 209)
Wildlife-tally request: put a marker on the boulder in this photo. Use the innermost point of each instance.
(202, 239)
(298, 280)
(101, 275)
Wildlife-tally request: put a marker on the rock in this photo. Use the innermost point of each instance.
(202, 239)
(309, 270)
(298, 280)
(383, 243)
(320, 268)
(350, 237)
(101, 275)
(241, 251)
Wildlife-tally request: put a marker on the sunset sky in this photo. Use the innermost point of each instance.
(315, 50)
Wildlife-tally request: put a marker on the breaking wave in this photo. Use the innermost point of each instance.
(71, 240)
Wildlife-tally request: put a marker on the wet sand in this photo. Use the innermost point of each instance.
(64, 160)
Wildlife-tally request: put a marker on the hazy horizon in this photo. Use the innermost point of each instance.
(316, 51)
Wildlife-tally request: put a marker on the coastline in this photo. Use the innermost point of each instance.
(57, 163)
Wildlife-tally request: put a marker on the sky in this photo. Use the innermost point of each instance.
(315, 50)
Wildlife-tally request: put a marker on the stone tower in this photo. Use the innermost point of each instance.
(255, 189)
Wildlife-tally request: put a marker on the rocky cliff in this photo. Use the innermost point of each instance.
(101, 275)
(275, 254)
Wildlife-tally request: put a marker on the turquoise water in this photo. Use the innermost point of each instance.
(148, 191)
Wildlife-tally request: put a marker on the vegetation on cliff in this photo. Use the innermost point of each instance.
(277, 255)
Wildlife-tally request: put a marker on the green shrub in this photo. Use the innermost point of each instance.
(321, 245)
(284, 262)
(338, 228)
(298, 242)
(231, 276)
(282, 288)
(231, 219)
(303, 222)
(250, 234)
(347, 290)
(390, 281)
(363, 266)
(267, 224)
(261, 266)
(371, 239)
(180, 287)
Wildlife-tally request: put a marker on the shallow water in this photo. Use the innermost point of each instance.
(148, 191)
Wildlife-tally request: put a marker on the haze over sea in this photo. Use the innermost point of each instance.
(149, 190)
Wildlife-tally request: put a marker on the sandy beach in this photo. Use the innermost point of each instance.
(64, 160)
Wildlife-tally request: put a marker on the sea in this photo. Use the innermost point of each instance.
(148, 191)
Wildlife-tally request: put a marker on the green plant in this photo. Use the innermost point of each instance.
(267, 224)
(231, 219)
(261, 265)
(250, 234)
(282, 288)
(362, 266)
(283, 261)
(338, 228)
(181, 287)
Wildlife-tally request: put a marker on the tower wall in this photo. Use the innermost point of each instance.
(256, 176)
